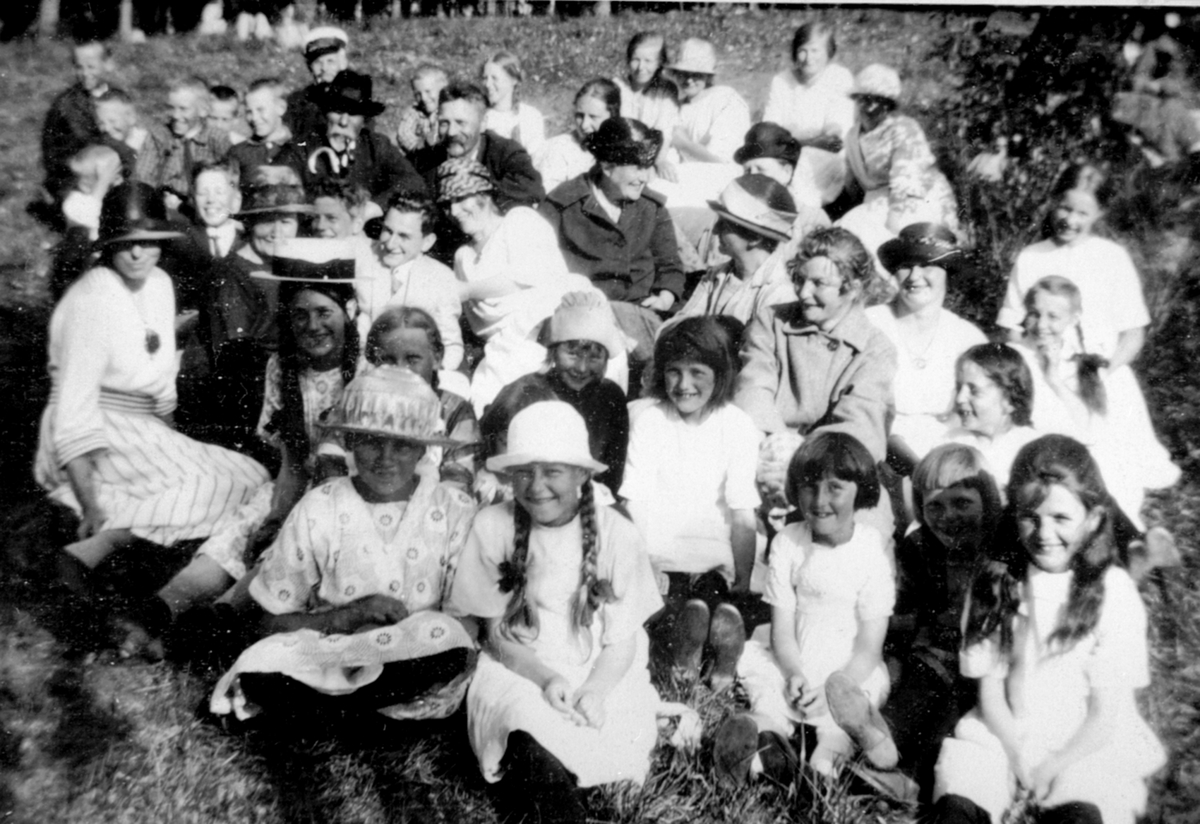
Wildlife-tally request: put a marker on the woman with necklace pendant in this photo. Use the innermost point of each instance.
(928, 337)
(107, 448)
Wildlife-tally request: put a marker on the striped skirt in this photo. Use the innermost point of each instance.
(162, 486)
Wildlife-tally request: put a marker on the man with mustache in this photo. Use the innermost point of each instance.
(350, 151)
(461, 107)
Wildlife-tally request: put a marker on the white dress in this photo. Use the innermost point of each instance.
(923, 390)
(689, 479)
(1048, 690)
(109, 396)
(524, 125)
(808, 110)
(336, 548)
(500, 701)
(1109, 288)
(560, 159)
(999, 452)
(830, 589)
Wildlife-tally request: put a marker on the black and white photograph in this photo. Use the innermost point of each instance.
(579, 411)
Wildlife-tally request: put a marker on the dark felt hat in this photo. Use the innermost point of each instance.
(922, 244)
(768, 140)
(134, 211)
(349, 92)
(616, 142)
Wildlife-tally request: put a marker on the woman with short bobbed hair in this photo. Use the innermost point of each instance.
(817, 363)
(812, 101)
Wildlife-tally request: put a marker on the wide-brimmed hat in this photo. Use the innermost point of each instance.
(877, 80)
(134, 211)
(616, 142)
(922, 244)
(312, 260)
(324, 40)
(742, 202)
(461, 177)
(393, 402)
(768, 140)
(349, 92)
(546, 432)
(586, 316)
(275, 199)
(696, 56)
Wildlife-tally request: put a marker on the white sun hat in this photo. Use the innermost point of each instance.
(547, 432)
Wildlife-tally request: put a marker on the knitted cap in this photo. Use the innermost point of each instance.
(391, 401)
(586, 316)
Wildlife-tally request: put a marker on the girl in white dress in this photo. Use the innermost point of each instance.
(1106, 405)
(562, 697)
(506, 114)
(689, 481)
(820, 661)
(107, 448)
(1056, 636)
(647, 95)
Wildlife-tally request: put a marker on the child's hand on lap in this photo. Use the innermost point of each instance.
(369, 613)
(590, 705)
(558, 695)
(793, 690)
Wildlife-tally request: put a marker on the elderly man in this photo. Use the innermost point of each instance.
(349, 151)
(461, 107)
(168, 162)
(325, 51)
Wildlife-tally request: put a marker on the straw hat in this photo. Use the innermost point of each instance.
(586, 316)
(878, 80)
(547, 432)
(768, 140)
(696, 56)
(393, 402)
(922, 244)
(324, 40)
(349, 92)
(461, 177)
(744, 202)
(132, 211)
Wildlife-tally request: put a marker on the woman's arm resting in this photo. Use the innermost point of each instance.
(743, 538)
(79, 472)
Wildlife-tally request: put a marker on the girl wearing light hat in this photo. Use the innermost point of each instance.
(712, 119)
(755, 216)
(349, 593)
(892, 164)
(562, 697)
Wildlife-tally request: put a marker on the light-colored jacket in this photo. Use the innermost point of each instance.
(795, 376)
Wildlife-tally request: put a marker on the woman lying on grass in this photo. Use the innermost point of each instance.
(350, 591)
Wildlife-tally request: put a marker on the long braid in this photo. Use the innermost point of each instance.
(514, 578)
(1091, 387)
(593, 590)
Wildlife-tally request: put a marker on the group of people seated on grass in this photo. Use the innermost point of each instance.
(466, 415)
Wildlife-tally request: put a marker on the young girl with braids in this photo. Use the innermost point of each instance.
(562, 697)
(1106, 407)
(1056, 636)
